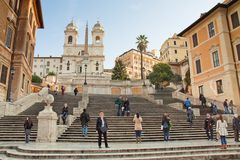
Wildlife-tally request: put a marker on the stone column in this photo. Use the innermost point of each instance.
(47, 122)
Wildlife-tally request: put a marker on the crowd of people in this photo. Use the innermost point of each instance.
(122, 106)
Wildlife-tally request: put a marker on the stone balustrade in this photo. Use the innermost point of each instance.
(14, 108)
(196, 101)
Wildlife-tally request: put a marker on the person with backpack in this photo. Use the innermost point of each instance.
(138, 127)
(166, 126)
(208, 126)
(190, 116)
(187, 103)
(27, 127)
(118, 106)
(221, 128)
(236, 127)
(84, 118)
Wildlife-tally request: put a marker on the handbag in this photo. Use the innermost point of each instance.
(103, 129)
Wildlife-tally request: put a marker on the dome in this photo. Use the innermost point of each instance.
(98, 26)
(72, 25)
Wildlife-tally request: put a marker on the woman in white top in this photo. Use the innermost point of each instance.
(221, 128)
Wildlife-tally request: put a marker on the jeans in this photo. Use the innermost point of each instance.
(166, 134)
(209, 133)
(84, 131)
(226, 111)
(223, 140)
(236, 135)
(27, 135)
(64, 117)
(100, 138)
(118, 108)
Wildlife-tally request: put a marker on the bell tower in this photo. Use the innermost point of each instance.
(97, 34)
(71, 34)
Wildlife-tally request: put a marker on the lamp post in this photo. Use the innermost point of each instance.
(12, 72)
(85, 81)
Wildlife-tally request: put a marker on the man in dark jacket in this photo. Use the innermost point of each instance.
(27, 126)
(102, 129)
(208, 126)
(236, 127)
(203, 100)
(84, 118)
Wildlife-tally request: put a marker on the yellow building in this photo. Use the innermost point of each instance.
(132, 61)
(214, 52)
(174, 50)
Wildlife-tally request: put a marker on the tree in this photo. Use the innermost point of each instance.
(142, 44)
(161, 73)
(36, 79)
(51, 73)
(119, 71)
(187, 80)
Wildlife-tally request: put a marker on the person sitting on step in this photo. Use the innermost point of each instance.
(64, 113)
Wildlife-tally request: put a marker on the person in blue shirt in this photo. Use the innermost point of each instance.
(187, 103)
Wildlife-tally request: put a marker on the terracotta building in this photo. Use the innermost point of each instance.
(214, 52)
(19, 20)
(132, 61)
(174, 50)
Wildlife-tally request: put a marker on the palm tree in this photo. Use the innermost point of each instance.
(142, 44)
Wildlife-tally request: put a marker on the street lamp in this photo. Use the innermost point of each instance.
(85, 82)
(12, 72)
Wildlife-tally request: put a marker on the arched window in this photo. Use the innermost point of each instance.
(70, 38)
(97, 39)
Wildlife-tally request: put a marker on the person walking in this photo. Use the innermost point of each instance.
(225, 105)
(166, 126)
(64, 113)
(138, 127)
(127, 107)
(203, 100)
(222, 129)
(63, 90)
(75, 91)
(56, 91)
(27, 127)
(190, 116)
(236, 127)
(102, 129)
(187, 103)
(231, 107)
(208, 126)
(84, 118)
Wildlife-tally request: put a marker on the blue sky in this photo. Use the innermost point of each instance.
(123, 21)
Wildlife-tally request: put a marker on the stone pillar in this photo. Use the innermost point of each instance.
(47, 122)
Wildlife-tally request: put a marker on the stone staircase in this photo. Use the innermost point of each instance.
(164, 152)
(122, 128)
(11, 127)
